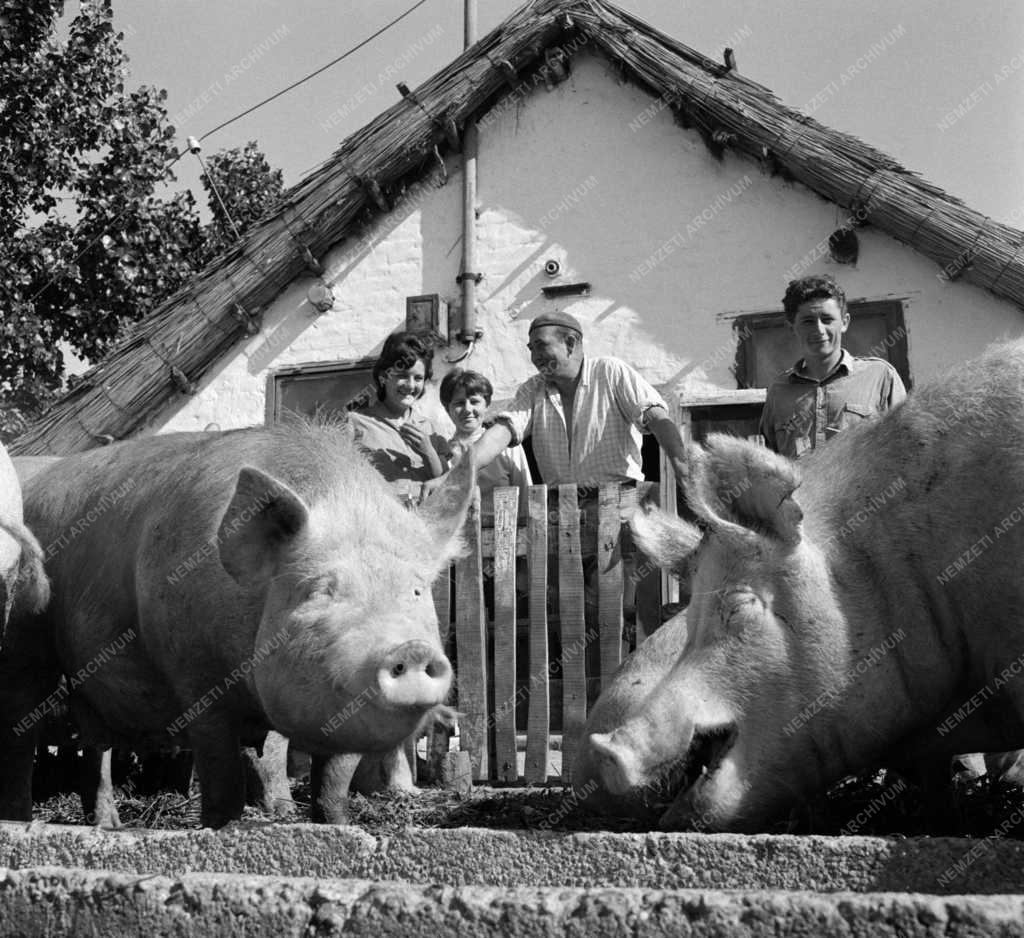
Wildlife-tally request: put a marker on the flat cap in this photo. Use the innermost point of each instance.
(556, 318)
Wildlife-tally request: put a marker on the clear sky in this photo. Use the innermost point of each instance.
(218, 57)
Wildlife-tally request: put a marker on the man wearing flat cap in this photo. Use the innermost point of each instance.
(584, 415)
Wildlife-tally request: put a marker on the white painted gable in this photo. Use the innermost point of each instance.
(597, 176)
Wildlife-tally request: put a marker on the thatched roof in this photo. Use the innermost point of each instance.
(175, 346)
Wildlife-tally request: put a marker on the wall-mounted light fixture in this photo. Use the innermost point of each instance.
(320, 297)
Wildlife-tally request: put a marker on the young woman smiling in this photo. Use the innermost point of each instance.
(403, 445)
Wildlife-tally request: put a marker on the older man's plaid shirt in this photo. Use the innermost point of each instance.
(608, 418)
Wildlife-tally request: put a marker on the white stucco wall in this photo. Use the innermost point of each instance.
(598, 177)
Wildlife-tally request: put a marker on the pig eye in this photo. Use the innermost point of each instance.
(740, 609)
(417, 591)
(326, 588)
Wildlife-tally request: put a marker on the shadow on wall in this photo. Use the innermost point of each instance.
(355, 250)
(640, 209)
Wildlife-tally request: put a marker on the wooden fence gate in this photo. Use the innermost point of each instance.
(568, 558)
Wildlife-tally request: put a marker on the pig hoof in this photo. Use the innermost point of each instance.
(331, 814)
(105, 818)
(281, 808)
(217, 821)
(104, 823)
(112, 823)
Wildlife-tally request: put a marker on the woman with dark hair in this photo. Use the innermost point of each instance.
(402, 444)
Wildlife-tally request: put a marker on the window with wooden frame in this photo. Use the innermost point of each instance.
(319, 390)
(766, 346)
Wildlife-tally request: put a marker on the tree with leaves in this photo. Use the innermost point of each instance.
(241, 188)
(86, 248)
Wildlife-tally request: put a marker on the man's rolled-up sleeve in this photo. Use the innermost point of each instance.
(518, 416)
(634, 394)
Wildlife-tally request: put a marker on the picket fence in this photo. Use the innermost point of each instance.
(563, 530)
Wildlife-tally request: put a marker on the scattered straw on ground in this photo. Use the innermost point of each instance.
(878, 803)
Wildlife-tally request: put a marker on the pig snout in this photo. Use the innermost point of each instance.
(414, 674)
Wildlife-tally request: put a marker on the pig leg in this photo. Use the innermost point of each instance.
(16, 777)
(216, 749)
(298, 763)
(329, 780)
(395, 770)
(941, 813)
(266, 776)
(27, 677)
(388, 771)
(97, 789)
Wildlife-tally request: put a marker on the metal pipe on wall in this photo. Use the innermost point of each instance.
(468, 278)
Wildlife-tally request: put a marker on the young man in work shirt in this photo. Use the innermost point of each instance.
(829, 389)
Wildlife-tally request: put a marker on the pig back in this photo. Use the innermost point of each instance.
(920, 517)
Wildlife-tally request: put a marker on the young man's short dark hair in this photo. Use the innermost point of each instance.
(818, 287)
(401, 351)
(469, 382)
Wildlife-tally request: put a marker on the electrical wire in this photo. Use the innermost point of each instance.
(323, 68)
(464, 355)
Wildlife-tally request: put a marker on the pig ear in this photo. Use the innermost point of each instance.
(444, 511)
(618, 765)
(667, 540)
(263, 517)
(736, 481)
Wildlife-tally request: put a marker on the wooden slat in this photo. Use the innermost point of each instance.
(648, 599)
(609, 573)
(506, 508)
(538, 726)
(439, 736)
(487, 541)
(647, 585)
(443, 603)
(570, 613)
(471, 643)
(588, 531)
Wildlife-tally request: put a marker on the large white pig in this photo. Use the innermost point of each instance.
(865, 606)
(21, 558)
(207, 587)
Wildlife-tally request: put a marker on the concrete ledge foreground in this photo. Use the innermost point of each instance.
(52, 902)
(508, 859)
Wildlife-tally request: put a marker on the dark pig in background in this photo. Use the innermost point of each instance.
(864, 606)
(208, 587)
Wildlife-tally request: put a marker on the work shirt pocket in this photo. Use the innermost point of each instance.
(852, 414)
